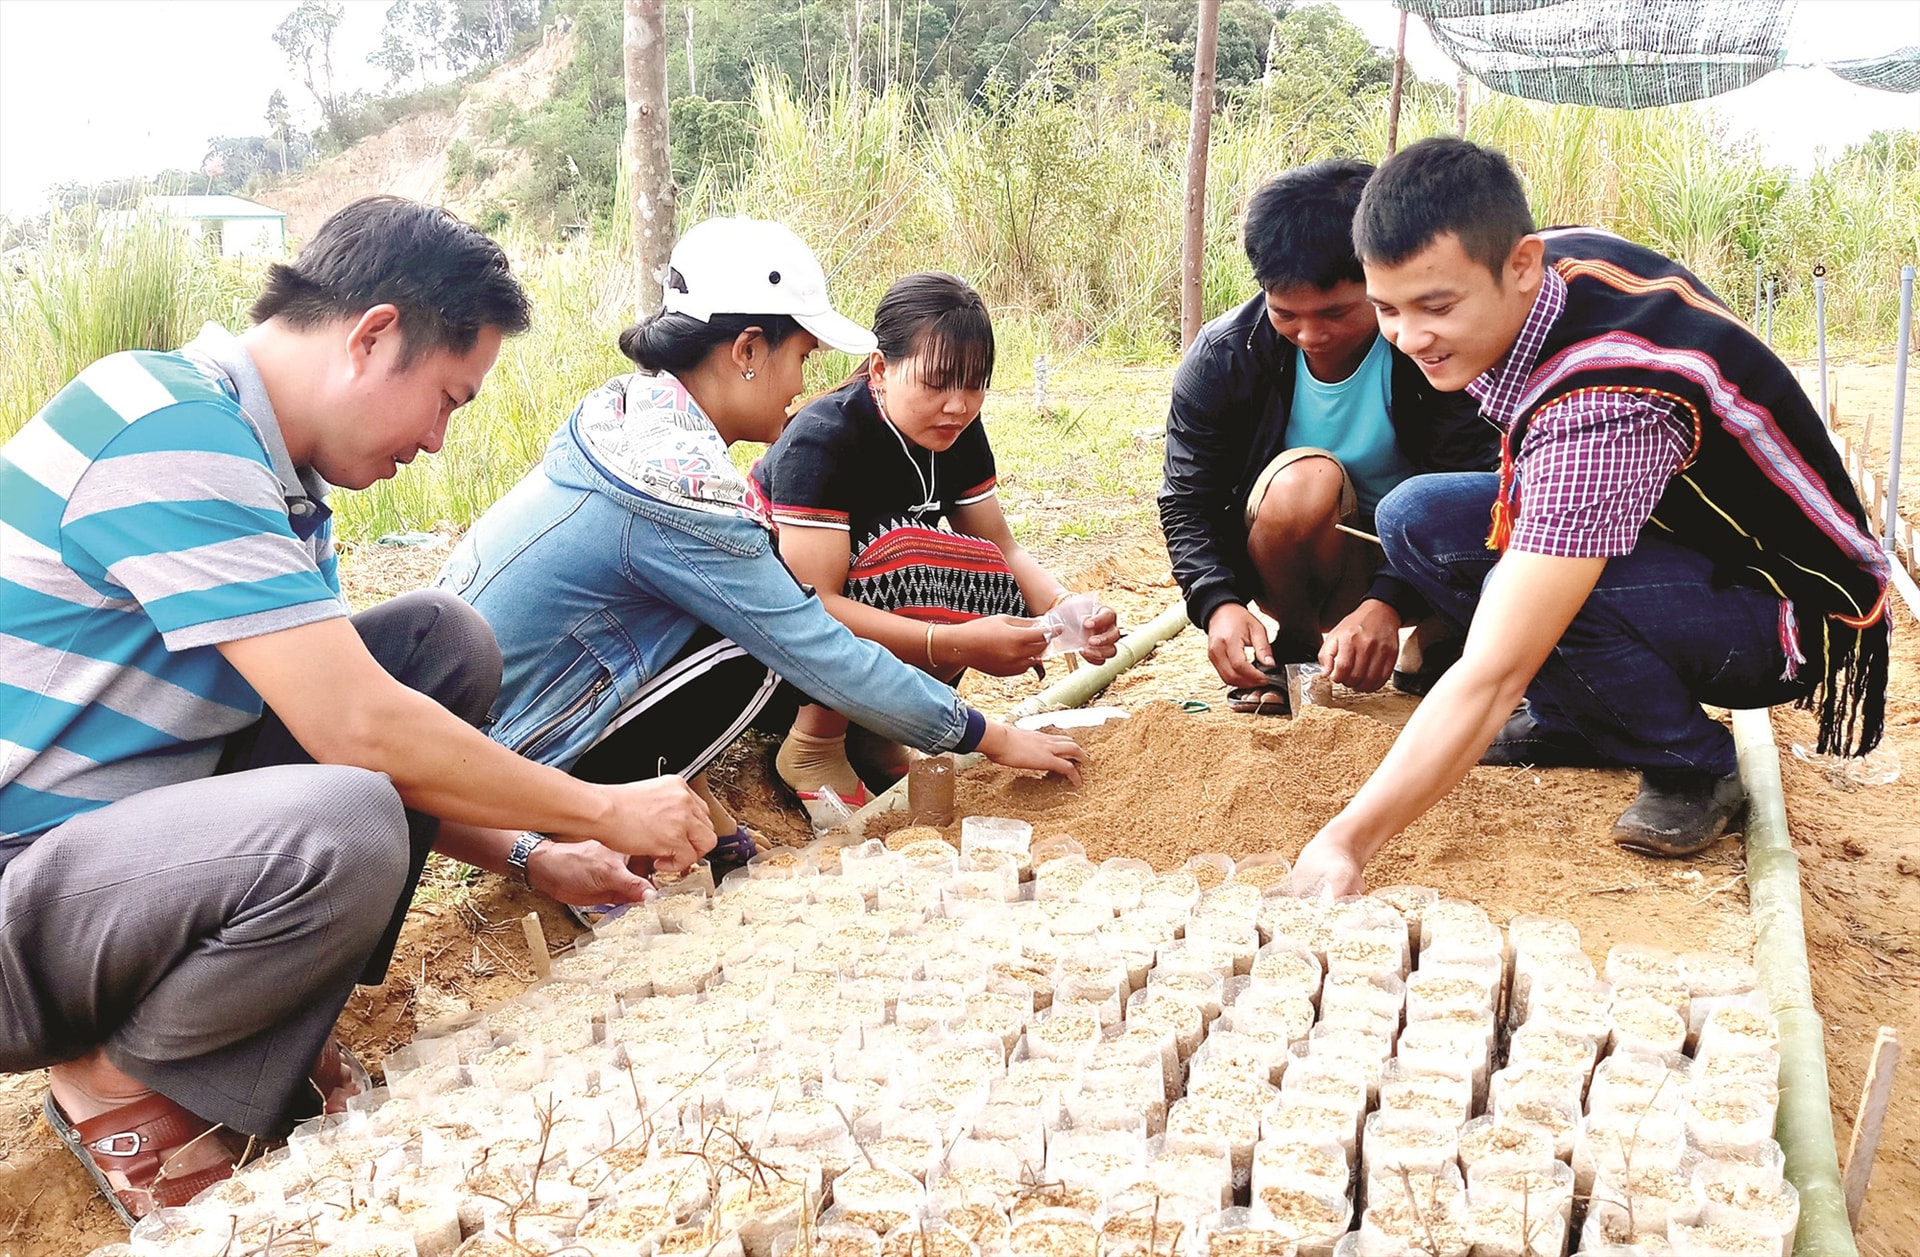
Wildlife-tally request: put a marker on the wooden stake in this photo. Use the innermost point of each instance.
(537, 945)
(1866, 1123)
(1193, 239)
(1399, 77)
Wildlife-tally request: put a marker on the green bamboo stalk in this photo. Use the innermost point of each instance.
(1805, 1124)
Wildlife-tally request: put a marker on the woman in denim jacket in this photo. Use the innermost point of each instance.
(632, 578)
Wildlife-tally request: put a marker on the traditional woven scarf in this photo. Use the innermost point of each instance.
(1763, 494)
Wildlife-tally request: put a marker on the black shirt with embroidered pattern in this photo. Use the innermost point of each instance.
(840, 464)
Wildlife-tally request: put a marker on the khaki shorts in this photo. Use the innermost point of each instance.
(1349, 503)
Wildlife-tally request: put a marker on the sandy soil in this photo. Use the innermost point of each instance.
(1166, 784)
(1863, 391)
(410, 158)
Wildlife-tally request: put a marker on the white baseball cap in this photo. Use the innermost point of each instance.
(753, 266)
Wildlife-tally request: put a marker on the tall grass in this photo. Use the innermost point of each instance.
(1064, 210)
(536, 383)
(99, 287)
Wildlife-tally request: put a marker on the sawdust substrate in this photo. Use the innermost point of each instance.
(1164, 785)
(1508, 839)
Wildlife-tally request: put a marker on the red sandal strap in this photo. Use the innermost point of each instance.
(132, 1138)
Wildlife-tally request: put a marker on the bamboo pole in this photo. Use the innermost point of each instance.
(1899, 401)
(1805, 1125)
(1874, 1096)
(1193, 239)
(1071, 692)
(1820, 335)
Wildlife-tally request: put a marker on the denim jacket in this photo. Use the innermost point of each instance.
(593, 587)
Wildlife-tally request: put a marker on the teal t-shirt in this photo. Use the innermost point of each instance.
(1349, 419)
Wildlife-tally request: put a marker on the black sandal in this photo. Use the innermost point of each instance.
(1259, 700)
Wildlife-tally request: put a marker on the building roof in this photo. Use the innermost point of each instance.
(209, 207)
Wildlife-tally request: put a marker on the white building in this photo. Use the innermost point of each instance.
(232, 226)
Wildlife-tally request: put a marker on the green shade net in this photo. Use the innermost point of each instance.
(1620, 54)
(1898, 71)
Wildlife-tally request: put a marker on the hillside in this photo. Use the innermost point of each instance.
(410, 158)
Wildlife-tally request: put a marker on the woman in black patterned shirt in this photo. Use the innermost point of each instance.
(884, 492)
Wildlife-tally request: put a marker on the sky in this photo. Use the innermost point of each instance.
(94, 89)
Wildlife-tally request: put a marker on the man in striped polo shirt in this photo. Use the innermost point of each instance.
(216, 789)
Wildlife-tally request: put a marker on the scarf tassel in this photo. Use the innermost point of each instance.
(1506, 502)
(1852, 699)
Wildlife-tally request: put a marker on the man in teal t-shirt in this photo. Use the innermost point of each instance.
(1291, 418)
(1348, 418)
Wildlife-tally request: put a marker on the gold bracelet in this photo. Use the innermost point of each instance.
(931, 665)
(1059, 598)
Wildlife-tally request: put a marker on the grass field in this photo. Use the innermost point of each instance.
(1066, 215)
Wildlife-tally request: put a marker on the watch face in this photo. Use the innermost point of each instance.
(522, 849)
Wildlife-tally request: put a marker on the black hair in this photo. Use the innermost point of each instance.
(1299, 227)
(446, 278)
(1437, 186)
(676, 343)
(941, 321)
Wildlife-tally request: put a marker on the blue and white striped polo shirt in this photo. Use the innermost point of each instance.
(147, 513)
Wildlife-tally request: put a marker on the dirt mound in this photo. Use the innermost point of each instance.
(1164, 785)
(410, 158)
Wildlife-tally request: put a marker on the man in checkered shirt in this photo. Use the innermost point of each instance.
(1669, 526)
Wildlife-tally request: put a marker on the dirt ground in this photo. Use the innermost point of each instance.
(1863, 392)
(1167, 783)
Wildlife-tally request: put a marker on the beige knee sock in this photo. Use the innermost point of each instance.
(807, 763)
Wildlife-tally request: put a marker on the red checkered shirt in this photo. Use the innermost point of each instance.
(1591, 467)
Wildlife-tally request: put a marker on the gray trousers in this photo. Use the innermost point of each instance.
(206, 935)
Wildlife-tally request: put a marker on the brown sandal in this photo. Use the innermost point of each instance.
(137, 1141)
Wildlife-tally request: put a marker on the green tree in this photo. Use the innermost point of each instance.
(480, 32)
(306, 37)
(279, 119)
(421, 25)
(395, 57)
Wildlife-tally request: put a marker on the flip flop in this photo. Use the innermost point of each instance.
(827, 810)
(1439, 657)
(136, 1138)
(1259, 700)
(732, 851)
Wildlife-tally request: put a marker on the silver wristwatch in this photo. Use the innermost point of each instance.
(517, 858)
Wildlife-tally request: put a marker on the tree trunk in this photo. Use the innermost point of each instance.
(1460, 105)
(649, 164)
(693, 83)
(1193, 244)
(1399, 78)
(853, 44)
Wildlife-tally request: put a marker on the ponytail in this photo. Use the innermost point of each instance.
(674, 343)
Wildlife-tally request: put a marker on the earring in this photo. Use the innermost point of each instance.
(747, 374)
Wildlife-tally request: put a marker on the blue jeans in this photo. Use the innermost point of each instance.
(1655, 639)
